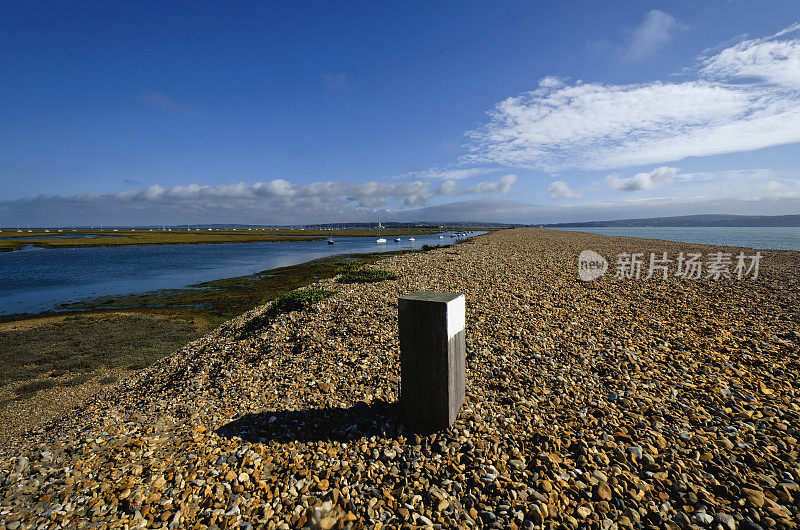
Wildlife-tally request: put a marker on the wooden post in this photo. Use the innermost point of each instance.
(432, 359)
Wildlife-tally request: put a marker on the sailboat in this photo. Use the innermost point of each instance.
(380, 239)
(330, 239)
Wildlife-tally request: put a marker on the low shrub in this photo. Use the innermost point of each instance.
(349, 266)
(366, 276)
(299, 299)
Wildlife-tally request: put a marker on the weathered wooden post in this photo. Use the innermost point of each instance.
(432, 359)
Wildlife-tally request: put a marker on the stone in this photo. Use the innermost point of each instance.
(704, 518)
(516, 464)
(726, 520)
(22, 465)
(602, 491)
(636, 451)
(754, 498)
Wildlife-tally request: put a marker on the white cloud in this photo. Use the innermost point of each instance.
(769, 61)
(773, 186)
(551, 82)
(280, 188)
(656, 30)
(746, 97)
(451, 173)
(499, 186)
(448, 187)
(277, 200)
(559, 189)
(780, 188)
(736, 174)
(658, 178)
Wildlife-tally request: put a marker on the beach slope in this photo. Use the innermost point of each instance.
(644, 402)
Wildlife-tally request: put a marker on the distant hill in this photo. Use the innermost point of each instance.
(322, 226)
(690, 220)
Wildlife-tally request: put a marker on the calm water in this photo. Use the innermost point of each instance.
(37, 279)
(782, 237)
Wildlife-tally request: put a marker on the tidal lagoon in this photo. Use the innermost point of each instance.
(37, 279)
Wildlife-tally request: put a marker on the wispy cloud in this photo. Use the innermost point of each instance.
(656, 30)
(766, 202)
(745, 175)
(745, 97)
(658, 178)
(449, 173)
(160, 100)
(768, 61)
(487, 188)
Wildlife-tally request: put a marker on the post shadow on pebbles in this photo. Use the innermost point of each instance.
(380, 418)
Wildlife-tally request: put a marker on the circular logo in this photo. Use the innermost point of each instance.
(591, 265)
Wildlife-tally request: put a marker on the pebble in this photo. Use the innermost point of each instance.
(615, 404)
(726, 520)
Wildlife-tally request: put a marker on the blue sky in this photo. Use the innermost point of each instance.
(302, 112)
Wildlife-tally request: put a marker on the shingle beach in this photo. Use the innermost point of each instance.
(617, 403)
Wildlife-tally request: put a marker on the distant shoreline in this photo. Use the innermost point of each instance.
(755, 237)
(133, 238)
(688, 221)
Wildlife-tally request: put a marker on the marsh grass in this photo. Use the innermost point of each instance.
(366, 276)
(77, 346)
(126, 237)
(299, 300)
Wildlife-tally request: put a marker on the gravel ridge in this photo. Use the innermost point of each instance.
(617, 403)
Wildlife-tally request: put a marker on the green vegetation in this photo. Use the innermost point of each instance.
(354, 272)
(128, 237)
(426, 248)
(142, 237)
(299, 300)
(366, 276)
(69, 351)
